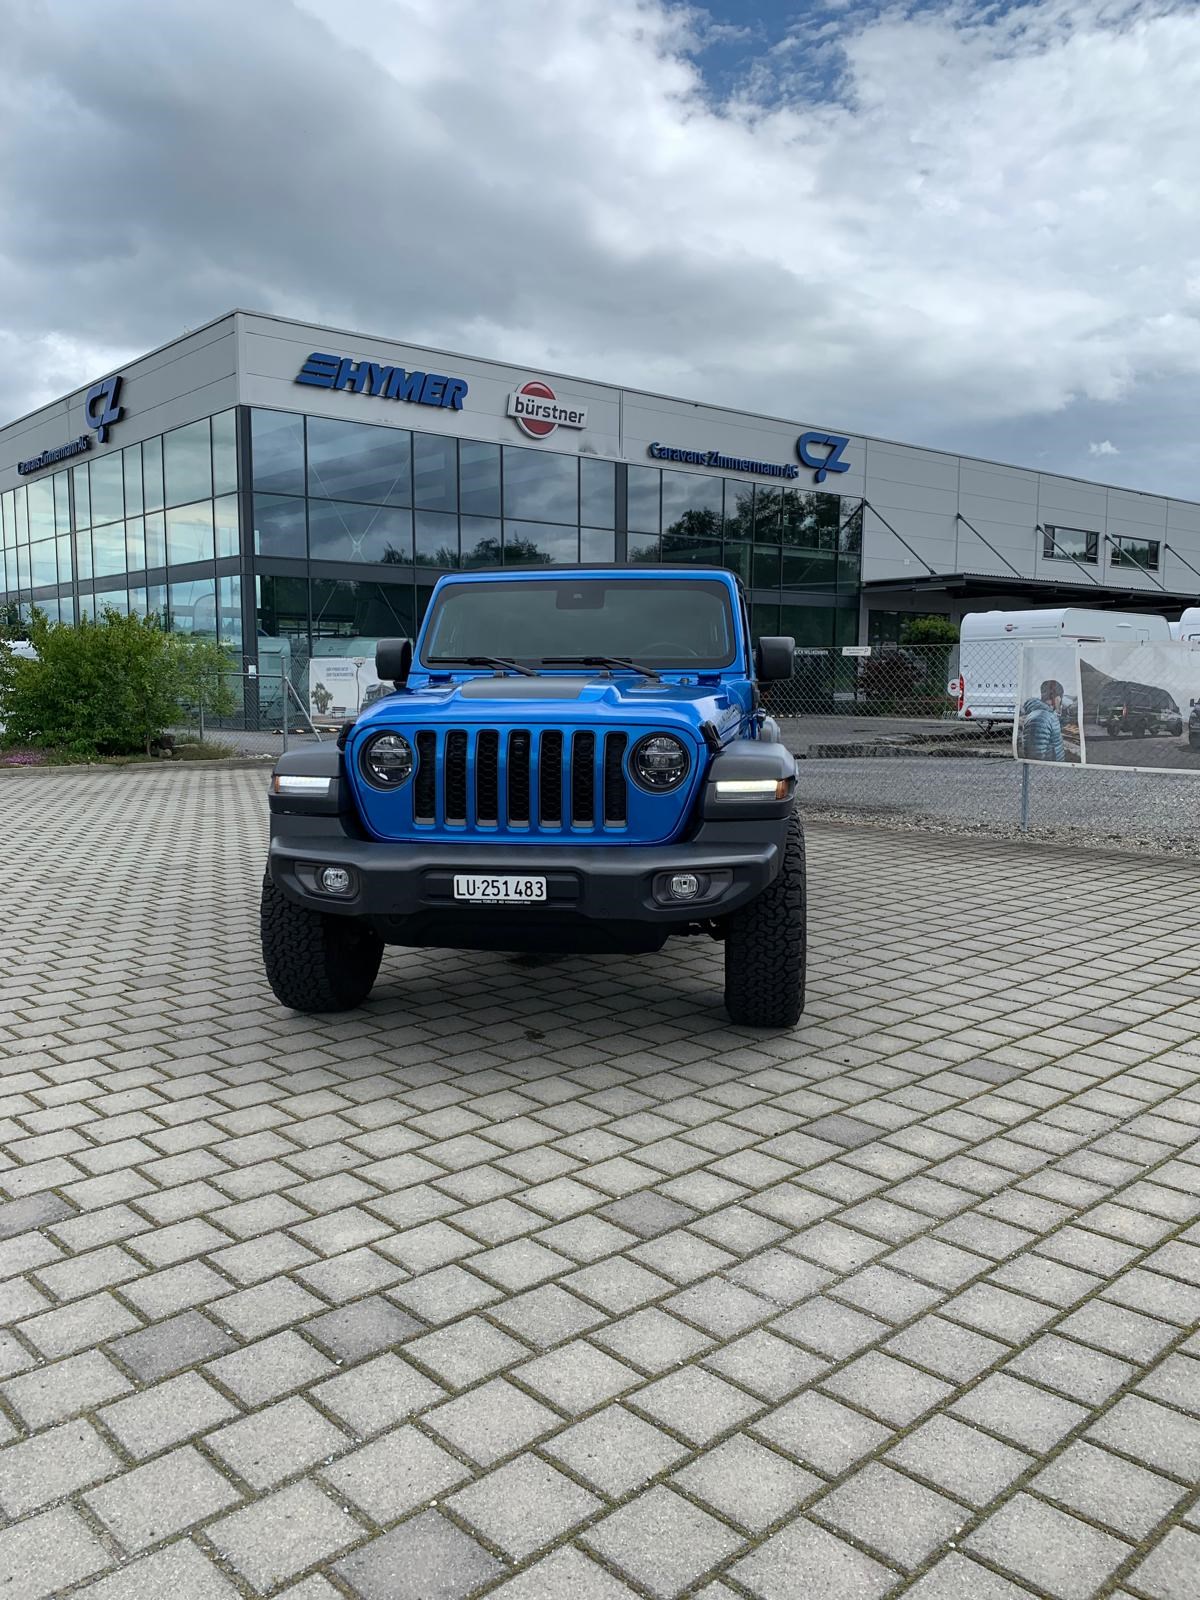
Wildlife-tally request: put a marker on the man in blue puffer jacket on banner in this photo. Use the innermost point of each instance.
(1041, 725)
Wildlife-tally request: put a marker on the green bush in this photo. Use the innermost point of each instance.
(106, 688)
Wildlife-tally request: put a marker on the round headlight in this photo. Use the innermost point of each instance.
(387, 760)
(659, 762)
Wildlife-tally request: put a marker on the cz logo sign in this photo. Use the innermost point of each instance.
(101, 409)
(832, 444)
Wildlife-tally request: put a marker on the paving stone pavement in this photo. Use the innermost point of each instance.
(539, 1279)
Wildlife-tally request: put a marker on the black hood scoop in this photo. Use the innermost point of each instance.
(522, 689)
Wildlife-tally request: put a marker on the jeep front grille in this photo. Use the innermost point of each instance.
(545, 780)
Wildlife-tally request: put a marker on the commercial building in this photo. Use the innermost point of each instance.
(296, 490)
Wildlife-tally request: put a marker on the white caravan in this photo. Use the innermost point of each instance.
(1188, 626)
(990, 649)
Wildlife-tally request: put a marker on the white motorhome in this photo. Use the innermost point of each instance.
(1188, 626)
(990, 649)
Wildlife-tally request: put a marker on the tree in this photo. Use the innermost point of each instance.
(107, 687)
(928, 630)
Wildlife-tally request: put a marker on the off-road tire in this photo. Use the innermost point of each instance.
(765, 946)
(315, 962)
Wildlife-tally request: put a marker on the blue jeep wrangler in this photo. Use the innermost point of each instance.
(572, 760)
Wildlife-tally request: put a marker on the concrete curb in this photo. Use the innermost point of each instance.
(221, 763)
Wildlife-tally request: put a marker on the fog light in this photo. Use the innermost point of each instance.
(335, 880)
(684, 886)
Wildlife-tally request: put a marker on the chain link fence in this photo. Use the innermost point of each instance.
(252, 713)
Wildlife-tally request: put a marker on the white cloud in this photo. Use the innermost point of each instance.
(1105, 448)
(993, 221)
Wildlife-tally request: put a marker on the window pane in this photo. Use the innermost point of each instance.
(224, 453)
(187, 463)
(597, 544)
(481, 546)
(739, 509)
(22, 566)
(691, 503)
(766, 569)
(156, 602)
(156, 538)
(283, 609)
(767, 504)
(152, 473)
(354, 611)
(764, 620)
(277, 449)
(699, 552)
(531, 544)
(137, 602)
(810, 519)
(43, 563)
(225, 515)
(851, 527)
(83, 554)
(193, 607)
(1129, 552)
(108, 498)
(229, 592)
(736, 558)
(8, 531)
(342, 530)
(351, 461)
(62, 503)
(479, 478)
(437, 539)
(108, 550)
(643, 547)
(1070, 544)
(64, 558)
(21, 502)
(135, 544)
(111, 600)
(189, 533)
(279, 526)
(435, 473)
(540, 485)
(597, 492)
(41, 509)
(132, 460)
(643, 502)
(810, 626)
(809, 569)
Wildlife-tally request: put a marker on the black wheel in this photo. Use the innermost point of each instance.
(1139, 730)
(316, 962)
(1112, 729)
(765, 947)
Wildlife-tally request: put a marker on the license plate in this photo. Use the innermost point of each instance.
(506, 891)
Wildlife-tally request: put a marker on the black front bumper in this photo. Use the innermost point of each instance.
(596, 897)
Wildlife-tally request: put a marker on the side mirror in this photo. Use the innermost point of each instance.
(774, 658)
(393, 660)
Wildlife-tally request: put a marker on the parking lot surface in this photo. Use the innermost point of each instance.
(536, 1277)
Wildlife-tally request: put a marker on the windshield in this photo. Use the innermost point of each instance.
(681, 626)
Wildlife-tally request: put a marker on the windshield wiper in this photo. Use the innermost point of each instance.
(601, 661)
(482, 661)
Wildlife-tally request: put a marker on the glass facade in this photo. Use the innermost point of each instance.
(336, 532)
(149, 529)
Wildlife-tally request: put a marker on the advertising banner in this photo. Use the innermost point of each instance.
(1049, 722)
(340, 686)
(1110, 705)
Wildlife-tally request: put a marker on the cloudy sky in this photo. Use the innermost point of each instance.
(972, 225)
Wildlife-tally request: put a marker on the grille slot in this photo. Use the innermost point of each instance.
(616, 798)
(487, 778)
(518, 778)
(550, 780)
(456, 778)
(425, 782)
(583, 780)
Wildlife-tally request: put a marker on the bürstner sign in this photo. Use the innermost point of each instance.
(537, 410)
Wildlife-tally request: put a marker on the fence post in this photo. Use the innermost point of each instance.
(287, 706)
(201, 710)
(1024, 797)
